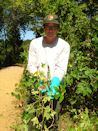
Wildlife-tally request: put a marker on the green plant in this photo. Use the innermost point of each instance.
(86, 120)
(24, 53)
(38, 113)
(81, 82)
(82, 120)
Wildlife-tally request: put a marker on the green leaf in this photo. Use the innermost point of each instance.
(53, 113)
(47, 112)
(90, 72)
(83, 88)
(35, 92)
(46, 99)
(35, 121)
(95, 85)
(61, 98)
(25, 127)
(45, 127)
(26, 117)
(97, 18)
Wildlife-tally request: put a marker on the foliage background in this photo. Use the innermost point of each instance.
(78, 25)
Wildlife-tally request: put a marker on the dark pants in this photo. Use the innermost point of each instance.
(57, 108)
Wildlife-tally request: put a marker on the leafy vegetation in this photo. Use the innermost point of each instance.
(79, 89)
(79, 109)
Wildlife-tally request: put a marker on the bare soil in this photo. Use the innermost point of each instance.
(9, 114)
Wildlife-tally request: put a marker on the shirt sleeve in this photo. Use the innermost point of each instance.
(32, 59)
(62, 62)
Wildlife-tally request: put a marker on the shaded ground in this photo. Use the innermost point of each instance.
(8, 113)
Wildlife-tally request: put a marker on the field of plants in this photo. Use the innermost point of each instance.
(78, 93)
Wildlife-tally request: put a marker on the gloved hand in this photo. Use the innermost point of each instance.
(55, 82)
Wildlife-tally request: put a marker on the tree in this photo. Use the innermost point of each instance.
(15, 16)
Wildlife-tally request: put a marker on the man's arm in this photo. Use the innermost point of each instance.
(60, 71)
(62, 63)
(32, 59)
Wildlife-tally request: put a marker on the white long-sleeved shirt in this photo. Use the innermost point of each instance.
(55, 56)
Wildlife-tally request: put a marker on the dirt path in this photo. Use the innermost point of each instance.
(8, 113)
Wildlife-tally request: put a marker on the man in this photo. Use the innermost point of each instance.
(51, 51)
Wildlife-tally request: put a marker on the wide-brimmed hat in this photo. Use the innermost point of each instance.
(51, 19)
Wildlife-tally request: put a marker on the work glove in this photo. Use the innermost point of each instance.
(55, 82)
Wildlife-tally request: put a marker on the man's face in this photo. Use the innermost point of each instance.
(51, 30)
